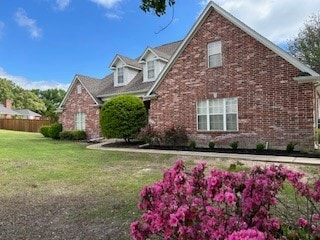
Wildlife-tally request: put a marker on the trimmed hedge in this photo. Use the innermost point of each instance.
(55, 130)
(123, 117)
(44, 130)
(73, 135)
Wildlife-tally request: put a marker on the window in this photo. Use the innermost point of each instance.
(120, 75)
(79, 89)
(214, 54)
(150, 66)
(80, 121)
(218, 114)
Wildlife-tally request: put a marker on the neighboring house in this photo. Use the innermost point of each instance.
(80, 107)
(7, 112)
(28, 114)
(224, 82)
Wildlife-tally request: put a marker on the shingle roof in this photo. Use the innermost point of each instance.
(91, 84)
(131, 62)
(104, 87)
(27, 112)
(136, 85)
(7, 111)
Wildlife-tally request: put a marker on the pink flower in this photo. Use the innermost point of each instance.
(302, 222)
(230, 198)
(173, 221)
(249, 234)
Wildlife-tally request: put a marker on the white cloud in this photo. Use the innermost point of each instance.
(106, 3)
(24, 21)
(279, 21)
(2, 25)
(113, 15)
(27, 84)
(62, 4)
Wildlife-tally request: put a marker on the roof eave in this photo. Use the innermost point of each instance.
(307, 79)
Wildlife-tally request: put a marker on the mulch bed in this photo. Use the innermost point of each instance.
(271, 152)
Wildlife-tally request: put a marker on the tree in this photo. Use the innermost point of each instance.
(122, 117)
(306, 46)
(51, 98)
(21, 99)
(158, 6)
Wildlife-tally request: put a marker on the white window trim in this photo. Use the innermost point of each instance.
(123, 82)
(224, 116)
(79, 89)
(214, 52)
(152, 69)
(80, 121)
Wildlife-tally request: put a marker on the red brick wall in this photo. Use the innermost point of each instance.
(272, 107)
(81, 103)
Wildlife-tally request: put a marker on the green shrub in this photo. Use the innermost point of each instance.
(55, 130)
(73, 135)
(122, 117)
(234, 145)
(44, 130)
(211, 145)
(148, 135)
(290, 147)
(192, 145)
(260, 147)
(176, 136)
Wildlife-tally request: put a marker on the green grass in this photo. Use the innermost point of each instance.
(104, 185)
(32, 164)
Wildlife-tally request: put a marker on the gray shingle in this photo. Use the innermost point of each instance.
(105, 86)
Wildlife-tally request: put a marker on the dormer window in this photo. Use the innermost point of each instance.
(151, 69)
(214, 54)
(120, 75)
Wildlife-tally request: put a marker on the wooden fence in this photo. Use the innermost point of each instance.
(25, 125)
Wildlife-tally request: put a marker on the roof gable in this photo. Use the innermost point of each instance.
(128, 62)
(91, 85)
(204, 15)
(158, 54)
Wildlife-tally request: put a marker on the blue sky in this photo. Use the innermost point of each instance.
(44, 43)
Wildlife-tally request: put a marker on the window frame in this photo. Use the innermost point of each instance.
(120, 76)
(214, 48)
(153, 69)
(79, 88)
(80, 121)
(208, 114)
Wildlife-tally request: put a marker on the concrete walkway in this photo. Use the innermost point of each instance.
(250, 157)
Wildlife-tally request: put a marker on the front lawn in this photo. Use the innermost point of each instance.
(53, 189)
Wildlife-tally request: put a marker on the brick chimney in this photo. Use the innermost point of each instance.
(8, 104)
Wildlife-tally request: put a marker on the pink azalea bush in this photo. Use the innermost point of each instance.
(224, 205)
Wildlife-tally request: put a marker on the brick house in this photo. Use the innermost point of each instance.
(224, 82)
(81, 105)
(228, 83)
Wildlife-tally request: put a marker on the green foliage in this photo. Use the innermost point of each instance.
(192, 145)
(211, 145)
(290, 147)
(148, 135)
(260, 147)
(158, 7)
(44, 130)
(73, 135)
(123, 117)
(55, 130)
(21, 99)
(234, 145)
(52, 99)
(176, 136)
(306, 46)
